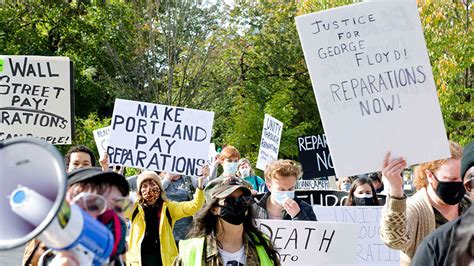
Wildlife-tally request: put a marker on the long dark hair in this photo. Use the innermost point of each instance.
(359, 182)
(205, 223)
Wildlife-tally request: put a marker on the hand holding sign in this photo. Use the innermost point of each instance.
(392, 170)
(104, 161)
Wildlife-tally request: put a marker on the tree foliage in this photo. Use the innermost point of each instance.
(240, 61)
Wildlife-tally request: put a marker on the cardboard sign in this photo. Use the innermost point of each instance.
(35, 98)
(314, 156)
(101, 137)
(312, 243)
(159, 137)
(373, 83)
(312, 184)
(370, 248)
(270, 143)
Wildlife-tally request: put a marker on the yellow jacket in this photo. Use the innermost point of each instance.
(169, 251)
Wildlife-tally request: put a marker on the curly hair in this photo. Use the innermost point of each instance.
(206, 223)
(283, 168)
(420, 180)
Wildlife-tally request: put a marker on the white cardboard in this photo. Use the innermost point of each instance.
(270, 142)
(370, 248)
(312, 243)
(35, 98)
(166, 138)
(101, 137)
(388, 32)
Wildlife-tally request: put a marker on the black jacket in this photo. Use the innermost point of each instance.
(437, 248)
(306, 211)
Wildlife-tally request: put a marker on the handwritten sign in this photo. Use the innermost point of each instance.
(373, 83)
(312, 243)
(370, 248)
(312, 184)
(159, 137)
(35, 98)
(313, 153)
(101, 137)
(270, 143)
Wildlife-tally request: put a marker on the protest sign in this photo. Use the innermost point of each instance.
(322, 197)
(101, 137)
(312, 243)
(312, 184)
(35, 98)
(160, 137)
(373, 83)
(270, 143)
(370, 248)
(314, 156)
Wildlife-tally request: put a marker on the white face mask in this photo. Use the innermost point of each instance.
(244, 172)
(281, 196)
(230, 168)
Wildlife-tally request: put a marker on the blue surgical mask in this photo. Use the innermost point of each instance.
(346, 186)
(230, 168)
(281, 196)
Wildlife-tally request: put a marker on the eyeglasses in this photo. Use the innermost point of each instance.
(97, 204)
(242, 201)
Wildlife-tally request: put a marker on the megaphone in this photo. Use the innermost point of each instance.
(32, 204)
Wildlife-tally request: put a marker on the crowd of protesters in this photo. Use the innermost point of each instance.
(211, 218)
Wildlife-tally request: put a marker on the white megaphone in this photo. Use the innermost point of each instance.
(32, 204)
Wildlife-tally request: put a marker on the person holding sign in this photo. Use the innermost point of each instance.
(152, 219)
(248, 174)
(224, 232)
(441, 246)
(405, 223)
(362, 193)
(280, 203)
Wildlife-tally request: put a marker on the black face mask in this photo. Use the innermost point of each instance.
(364, 201)
(233, 214)
(450, 192)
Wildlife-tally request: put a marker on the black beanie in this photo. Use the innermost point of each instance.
(467, 158)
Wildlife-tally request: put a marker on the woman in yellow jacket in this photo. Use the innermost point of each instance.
(152, 219)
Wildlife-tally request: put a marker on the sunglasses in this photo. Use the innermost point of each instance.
(242, 201)
(97, 204)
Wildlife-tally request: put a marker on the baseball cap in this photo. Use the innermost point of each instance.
(96, 173)
(224, 186)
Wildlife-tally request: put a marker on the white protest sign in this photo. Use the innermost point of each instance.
(270, 143)
(370, 248)
(373, 83)
(101, 137)
(35, 98)
(312, 243)
(159, 137)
